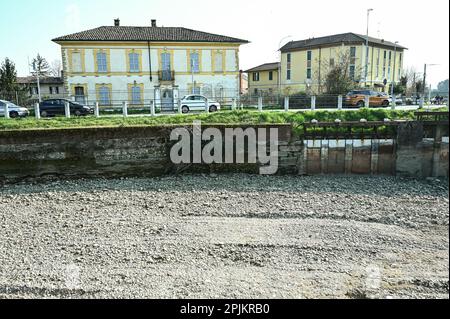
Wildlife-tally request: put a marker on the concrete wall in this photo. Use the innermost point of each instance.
(144, 151)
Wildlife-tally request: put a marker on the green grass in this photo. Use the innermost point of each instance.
(224, 117)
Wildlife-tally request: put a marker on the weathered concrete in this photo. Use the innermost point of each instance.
(144, 151)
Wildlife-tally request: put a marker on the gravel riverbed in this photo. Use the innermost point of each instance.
(225, 236)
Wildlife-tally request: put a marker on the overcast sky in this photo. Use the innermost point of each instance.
(27, 27)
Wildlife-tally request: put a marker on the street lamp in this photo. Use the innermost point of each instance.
(393, 75)
(279, 65)
(366, 69)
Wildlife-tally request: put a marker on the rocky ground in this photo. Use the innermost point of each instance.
(226, 236)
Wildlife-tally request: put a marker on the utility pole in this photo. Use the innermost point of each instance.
(366, 68)
(37, 69)
(424, 80)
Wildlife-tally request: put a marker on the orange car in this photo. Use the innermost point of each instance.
(357, 98)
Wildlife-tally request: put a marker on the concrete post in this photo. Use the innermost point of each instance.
(286, 103)
(206, 105)
(421, 102)
(96, 110)
(393, 102)
(37, 111)
(180, 110)
(125, 109)
(260, 103)
(367, 101)
(6, 111)
(233, 105)
(313, 102)
(67, 109)
(152, 108)
(340, 102)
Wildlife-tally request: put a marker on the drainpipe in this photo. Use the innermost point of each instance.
(150, 60)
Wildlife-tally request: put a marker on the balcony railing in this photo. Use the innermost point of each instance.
(166, 76)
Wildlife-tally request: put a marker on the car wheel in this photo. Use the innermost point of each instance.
(385, 103)
(13, 115)
(44, 114)
(360, 104)
(77, 113)
(213, 108)
(185, 110)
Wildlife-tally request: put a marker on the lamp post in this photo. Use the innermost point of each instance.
(393, 74)
(366, 68)
(279, 65)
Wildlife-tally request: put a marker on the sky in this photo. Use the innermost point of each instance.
(27, 26)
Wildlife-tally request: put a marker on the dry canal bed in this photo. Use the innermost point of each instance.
(226, 236)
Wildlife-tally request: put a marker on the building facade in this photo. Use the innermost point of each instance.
(50, 87)
(142, 64)
(306, 63)
(263, 78)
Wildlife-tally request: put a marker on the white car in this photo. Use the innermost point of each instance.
(14, 110)
(198, 103)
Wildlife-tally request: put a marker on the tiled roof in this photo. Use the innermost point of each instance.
(265, 67)
(162, 34)
(42, 80)
(336, 39)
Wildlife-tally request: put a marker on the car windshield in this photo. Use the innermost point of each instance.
(11, 105)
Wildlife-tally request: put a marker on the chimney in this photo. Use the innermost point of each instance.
(154, 23)
(117, 22)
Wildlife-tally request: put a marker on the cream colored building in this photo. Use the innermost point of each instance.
(263, 78)
(139, 64)
(305, 63)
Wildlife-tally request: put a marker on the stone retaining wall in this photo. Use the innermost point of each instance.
(144, 151)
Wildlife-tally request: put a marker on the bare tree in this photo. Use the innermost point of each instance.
(55, 68)
(40, 65)
(339, 77)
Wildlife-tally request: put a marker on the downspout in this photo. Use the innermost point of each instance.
(319, 89)
(150, 60)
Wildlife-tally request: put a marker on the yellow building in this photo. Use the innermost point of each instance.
(113, 64)
(306, 63)
(263, 78)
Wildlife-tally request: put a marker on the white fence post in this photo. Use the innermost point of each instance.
(421, 102)
(67, 109)
(233, 105)
(313, 102)
(367, 101)
(286, 103)
(96, 110)
(180, 110)
(6, 111)
(37, 111)
(125, 109)
(206, 105)
(152, 108)
(260, 103)
(340, 102)
(393, 102)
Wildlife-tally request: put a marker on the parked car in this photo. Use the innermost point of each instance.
(54, 107)
(14, 110)
(357, 98)
(398, 100)
(197, 103)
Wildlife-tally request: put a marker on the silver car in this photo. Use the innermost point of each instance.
(14, 110)
(198, 103)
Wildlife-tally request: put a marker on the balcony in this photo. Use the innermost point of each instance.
(166, 76)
